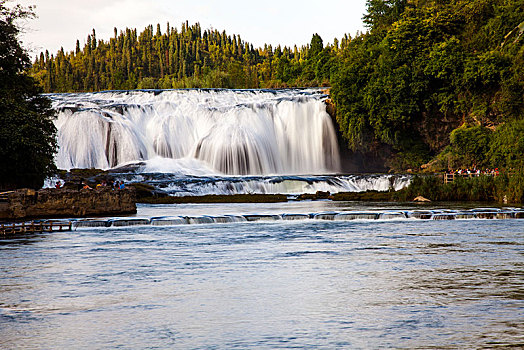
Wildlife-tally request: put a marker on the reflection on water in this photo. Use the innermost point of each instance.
(303, 284)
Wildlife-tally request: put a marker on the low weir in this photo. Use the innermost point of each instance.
(435, 214)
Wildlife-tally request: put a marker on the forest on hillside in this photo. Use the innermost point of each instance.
(185, 58)
(432, 83)
(435, 79)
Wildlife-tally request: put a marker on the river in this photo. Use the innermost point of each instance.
(313, 284)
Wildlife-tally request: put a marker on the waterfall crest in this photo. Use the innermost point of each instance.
(236, 132)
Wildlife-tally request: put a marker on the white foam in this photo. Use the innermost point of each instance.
(230, 131)
(182, 166)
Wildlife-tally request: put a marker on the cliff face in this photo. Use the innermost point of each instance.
(49, 203)
(356, 162)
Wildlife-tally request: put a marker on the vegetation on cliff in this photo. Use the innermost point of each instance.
(427, 67)
(27, 133)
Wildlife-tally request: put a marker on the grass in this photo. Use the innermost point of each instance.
(503, 189)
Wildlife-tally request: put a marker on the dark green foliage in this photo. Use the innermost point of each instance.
(507, 148)
(471, 145)
(368, 196)
(481, 147)
(382, 13)
(27, 133)
(316, 46)
(511, 188)
(424, 69)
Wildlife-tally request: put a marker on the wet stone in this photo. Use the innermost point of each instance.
(506, 215)
(444, 217)
(487, 215)
(130, 222)
(423, 215)
(356, 216)
(257, 217)
(92, 223)
(200, 220)
(168, 221)
(295, 216)
(325, 216)
(392, 215)
(463, 216)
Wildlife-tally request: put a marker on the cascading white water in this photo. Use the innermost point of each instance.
(225, 131)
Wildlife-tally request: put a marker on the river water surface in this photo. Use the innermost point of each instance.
(264, 285)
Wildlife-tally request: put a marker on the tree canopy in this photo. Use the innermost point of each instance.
(427, 67)
(27, 133)
(181, 58)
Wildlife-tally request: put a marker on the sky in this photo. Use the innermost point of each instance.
(60, 23)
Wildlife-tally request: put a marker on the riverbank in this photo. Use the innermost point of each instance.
(67, 202)
(503, 189)
(56, 203)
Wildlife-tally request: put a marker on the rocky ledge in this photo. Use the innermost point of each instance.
(48, 203)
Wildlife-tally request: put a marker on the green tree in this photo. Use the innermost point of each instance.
(27, 133)
(426, 67)
(471, 145)
(507, 148)
(316, 45)
(382, 13)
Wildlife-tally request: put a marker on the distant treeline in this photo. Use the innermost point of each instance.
(188, 58)
(432, 82)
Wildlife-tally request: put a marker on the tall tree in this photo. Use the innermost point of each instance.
(316, 45)
(27, 133)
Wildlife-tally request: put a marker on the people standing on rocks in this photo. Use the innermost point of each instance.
(475, 172)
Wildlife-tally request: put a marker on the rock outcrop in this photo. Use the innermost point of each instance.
(49, 203)
(421, 199)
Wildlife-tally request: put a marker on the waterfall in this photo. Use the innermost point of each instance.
(235, 132)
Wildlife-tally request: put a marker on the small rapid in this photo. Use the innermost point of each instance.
(180, 185)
